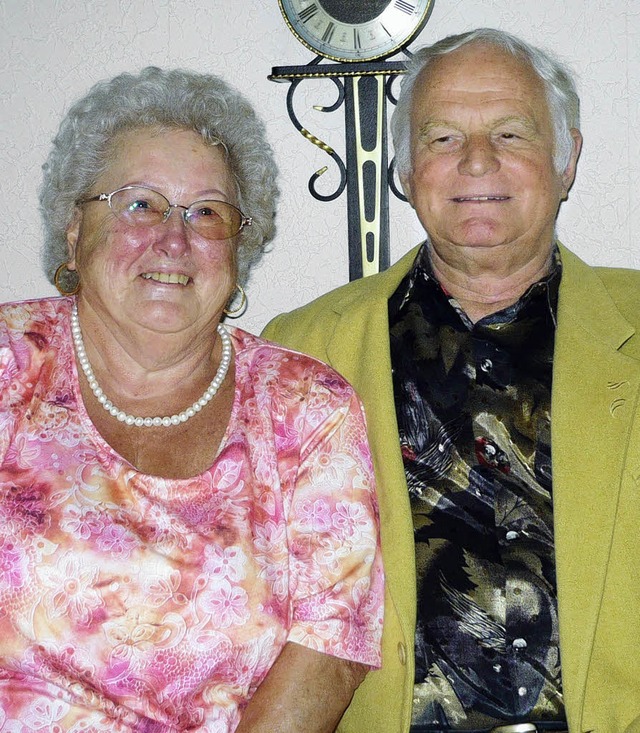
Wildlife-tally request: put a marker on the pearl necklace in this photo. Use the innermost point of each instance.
(148, 422)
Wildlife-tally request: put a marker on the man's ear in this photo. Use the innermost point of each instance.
(73, 235)
(405, 182)
(569, 173)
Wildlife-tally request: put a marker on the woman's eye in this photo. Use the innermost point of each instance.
(205, 212)
(140, 205)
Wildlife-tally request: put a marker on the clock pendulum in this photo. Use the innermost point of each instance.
(357, 35)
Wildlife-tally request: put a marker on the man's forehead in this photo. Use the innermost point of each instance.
(475, 67)
(477, 75)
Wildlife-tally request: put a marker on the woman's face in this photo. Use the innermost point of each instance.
(165, 278)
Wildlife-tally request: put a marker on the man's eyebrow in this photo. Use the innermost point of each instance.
(434, 124)
(525, 121)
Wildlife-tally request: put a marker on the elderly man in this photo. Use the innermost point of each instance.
(500, 376)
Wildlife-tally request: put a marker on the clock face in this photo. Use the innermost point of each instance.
(355, 30)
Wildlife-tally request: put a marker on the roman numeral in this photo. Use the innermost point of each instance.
(404, 6)
(356, 39)
(308, 12)
(328, 32)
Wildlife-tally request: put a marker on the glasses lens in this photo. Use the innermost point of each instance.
(139, 206)
(214, 219)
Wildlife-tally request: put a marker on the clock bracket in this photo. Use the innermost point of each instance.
(363, 89)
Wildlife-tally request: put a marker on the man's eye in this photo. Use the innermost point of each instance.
(440, 137)
(511, 135)
(442, 141)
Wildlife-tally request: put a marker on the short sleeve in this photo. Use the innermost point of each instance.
(336, 575)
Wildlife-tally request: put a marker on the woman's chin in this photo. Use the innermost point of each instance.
(163, 316)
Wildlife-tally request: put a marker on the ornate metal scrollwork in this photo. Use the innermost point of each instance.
(318, 142)
(363, 89)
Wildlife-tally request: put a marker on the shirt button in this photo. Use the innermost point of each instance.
(519, 644)
(486, 365)
(522, 691)
(512, 535)
(402, 653)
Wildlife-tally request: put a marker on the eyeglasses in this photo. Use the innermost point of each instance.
(139, 206)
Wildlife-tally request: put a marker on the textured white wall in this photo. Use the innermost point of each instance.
(51, 51)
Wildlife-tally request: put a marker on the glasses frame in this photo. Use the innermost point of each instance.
(245, 221)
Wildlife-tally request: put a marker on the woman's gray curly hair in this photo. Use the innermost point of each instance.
(158, 98)
(560, 88)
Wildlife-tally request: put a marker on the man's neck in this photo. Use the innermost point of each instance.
(483, 288)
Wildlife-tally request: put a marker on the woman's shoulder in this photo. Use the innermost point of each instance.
(33, 355)
(260, 355)
(30, 331)
(34, 316)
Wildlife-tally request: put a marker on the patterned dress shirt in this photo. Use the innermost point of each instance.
(473, 406)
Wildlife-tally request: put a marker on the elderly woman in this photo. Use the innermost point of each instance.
(188, 527)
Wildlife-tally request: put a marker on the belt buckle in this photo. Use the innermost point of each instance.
(515, 728)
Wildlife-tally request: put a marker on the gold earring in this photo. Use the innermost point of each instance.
(59, 280)
(237, 312)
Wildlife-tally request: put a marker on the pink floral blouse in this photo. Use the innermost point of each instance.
(130, 602)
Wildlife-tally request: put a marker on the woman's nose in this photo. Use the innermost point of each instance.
(173, 237)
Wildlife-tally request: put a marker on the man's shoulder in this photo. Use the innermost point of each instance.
(597, 292)
(618, 276)
(321, 313)
(623, 287)
(612, 276)
(621, 283)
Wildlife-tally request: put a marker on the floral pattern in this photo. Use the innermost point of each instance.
(130, 602)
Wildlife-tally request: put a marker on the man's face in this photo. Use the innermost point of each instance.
(483, 181)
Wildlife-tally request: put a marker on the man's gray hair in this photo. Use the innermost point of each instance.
(559, 85)
(158, 99)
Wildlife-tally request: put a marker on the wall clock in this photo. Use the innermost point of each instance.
(355, 30)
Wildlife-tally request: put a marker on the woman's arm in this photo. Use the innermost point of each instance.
(304, 692)
(334, 572)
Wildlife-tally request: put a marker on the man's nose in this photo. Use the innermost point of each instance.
(479, 157)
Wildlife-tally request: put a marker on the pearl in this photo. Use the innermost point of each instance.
(133, 420)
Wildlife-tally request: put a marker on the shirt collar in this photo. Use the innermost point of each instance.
(544, 291)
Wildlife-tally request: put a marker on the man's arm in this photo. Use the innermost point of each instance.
(305, 690)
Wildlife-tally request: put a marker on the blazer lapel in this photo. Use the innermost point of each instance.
(594, 392)
(363, 326)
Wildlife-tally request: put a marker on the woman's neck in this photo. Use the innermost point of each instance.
(141, 368)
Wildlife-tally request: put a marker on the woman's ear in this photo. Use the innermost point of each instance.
(73, 235)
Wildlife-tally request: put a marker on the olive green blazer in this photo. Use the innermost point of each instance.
(596, 486)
